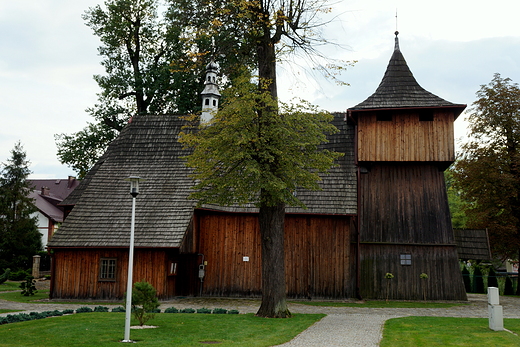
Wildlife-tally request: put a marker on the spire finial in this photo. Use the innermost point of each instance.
(396, 48)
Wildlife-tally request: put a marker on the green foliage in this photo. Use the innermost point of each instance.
(204, 310)
(233, 312)
(5, 275)
(84, 309)
(467, 279)
(478, 281)
(118, 309)
(144, 301)
(455, 202)
(19, 275)
(19, 235)
(492, 280)
(247, 149)
(171, 310)
(187, 310)
(29, 286)
(100, 309)
(219, 311)
(488, 173)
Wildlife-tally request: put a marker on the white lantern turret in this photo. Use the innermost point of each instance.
(210, 94)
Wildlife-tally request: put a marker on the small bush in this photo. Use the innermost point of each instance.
(118, 309)
(155, 310)
(3, 320)
(219, 311)
(68, 311)
(171, 310)
(19, 275)
(100, 309)
(204, 310)
(187, 310)
(5, 275)
(29, 286)
(84, 309)
(144, 301)
(466, 278)
(233, 312)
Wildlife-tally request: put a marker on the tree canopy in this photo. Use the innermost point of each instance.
(19, 235)
(488, 172)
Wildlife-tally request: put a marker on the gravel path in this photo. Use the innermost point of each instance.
(343, 326)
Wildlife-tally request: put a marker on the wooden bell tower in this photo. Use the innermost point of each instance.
(404, 143)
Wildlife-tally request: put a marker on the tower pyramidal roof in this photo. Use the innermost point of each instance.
(399, 89)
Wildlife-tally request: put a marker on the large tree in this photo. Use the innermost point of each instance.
(19, 235)
(150, 68)
(488, 172)
(253, 151)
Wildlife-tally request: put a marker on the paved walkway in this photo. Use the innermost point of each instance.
(343, 326)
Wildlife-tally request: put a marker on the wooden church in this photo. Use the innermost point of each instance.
(382, 210)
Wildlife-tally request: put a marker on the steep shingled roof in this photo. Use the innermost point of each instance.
(399, 89)
(148, 148)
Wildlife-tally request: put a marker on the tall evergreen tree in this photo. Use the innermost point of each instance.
(19, 235)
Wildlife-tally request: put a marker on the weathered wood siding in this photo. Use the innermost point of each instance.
(76, 273)
(440, 263)
(405, 137)
(404, 203)
(317, 250)
(404, 210)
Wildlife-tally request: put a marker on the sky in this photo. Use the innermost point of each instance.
(48, 57)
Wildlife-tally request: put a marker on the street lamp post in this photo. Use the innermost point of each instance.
(134, 191)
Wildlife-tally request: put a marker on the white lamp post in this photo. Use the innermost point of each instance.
(134, 190)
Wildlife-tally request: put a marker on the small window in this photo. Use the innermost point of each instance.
(214, 102)
(172, 268)
(206, 102)
(107, 269)
(384, 116)
(426, 116)
(406, 259)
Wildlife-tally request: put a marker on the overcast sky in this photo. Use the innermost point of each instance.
(48, 57)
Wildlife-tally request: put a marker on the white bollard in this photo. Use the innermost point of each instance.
(495, 312)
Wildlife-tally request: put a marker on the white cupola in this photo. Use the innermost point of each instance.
(210, 94)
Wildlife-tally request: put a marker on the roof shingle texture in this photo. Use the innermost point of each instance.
(399, 89)
(148, 147)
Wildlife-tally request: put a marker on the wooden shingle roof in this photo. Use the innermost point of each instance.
(399, 89)
(148, 147)
(472, 244)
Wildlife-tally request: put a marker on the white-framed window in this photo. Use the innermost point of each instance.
(107, 269)
(405, 259)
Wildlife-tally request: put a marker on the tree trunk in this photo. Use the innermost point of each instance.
(271, 220)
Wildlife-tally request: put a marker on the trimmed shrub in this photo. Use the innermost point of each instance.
(118, 309)
(68, 311)
(5, 275)
(467, 279)
(3, 320)
(187, 310)
(155, 310)
(492, 278)
(144, 301)
(508, 288)
(171, 310)
(19, 275)
(100, 309)
(219, 311)
(233, 312)
(478, 281)
(29, 286)
(204, 310)
(84, 309)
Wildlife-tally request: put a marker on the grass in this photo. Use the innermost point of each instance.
(443, 331)
(106, 329)
(18, 297)
(382, 304)
(9, 286)
(9, 311)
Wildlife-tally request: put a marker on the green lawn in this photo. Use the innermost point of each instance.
(441, 331)
(18, 297)
(9, 286)
(382, 304)
(174, 329)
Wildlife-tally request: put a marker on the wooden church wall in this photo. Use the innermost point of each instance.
(404, 203)
(404, 137)
(404, 211)
(317, 250)
(76, 273)
(439, 263)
